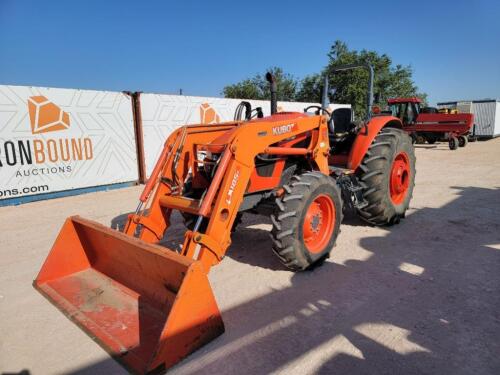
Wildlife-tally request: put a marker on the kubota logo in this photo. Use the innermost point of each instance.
(283, 129)
(208, 114)
(234, 182)
(45, 116)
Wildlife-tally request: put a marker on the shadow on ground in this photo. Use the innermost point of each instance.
(424, 300)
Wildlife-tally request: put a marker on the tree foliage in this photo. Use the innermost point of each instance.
(258, 88)
(350, 86)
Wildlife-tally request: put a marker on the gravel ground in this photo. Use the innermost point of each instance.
(419, 297)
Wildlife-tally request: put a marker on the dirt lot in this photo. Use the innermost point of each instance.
(419, 297)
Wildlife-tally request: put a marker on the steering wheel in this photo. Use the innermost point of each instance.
(319, 109)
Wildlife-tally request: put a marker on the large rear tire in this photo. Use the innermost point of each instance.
(387, 174)
(306, 220)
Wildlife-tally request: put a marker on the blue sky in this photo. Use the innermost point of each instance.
(199, 46)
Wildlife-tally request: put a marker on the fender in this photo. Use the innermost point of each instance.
(364, 139)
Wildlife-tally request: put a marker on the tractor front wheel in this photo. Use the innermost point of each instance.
(387, 175)
(306, 220)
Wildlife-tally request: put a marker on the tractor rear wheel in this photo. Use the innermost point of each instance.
(306, 220)
(387, 174)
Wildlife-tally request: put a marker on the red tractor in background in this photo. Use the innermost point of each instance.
(428, 124)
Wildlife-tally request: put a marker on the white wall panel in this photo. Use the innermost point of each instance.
(60, 139)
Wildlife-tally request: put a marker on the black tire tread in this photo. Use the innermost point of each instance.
(287, 216)
(374, 172)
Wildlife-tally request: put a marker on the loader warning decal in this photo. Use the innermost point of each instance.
(58, 139)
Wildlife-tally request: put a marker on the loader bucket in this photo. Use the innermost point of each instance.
(149, 307)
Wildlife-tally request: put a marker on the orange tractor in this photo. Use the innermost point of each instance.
(150, 306)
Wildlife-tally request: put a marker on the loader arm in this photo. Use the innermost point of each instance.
(225, 192)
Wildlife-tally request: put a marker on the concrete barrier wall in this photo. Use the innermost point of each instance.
(55, 140)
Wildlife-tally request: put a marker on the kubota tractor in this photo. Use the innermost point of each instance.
(427, 124)
(150, 306)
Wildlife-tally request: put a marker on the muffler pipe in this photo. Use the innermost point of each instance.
(274, 97)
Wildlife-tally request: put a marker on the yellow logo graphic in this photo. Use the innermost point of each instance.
(45, 116)
(208, 114)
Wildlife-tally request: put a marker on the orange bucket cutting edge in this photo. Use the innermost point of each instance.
(147, 306)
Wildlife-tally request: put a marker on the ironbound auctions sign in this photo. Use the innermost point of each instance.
(59, 139)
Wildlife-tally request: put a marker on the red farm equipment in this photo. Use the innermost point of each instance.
(425, 124)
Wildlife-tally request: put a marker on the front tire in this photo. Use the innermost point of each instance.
(306, 220)
(387, 174)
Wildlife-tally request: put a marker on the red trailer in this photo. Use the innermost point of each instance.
(427, 124)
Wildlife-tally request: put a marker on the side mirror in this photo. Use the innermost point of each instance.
(376, 97)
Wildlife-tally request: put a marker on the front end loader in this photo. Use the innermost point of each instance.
(150, 306)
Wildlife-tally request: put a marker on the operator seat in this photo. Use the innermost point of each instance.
(342, 121)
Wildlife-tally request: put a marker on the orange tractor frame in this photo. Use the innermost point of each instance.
(150, 306)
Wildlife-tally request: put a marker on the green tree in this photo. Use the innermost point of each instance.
(352, 86)
(258, 88)
(311, 88)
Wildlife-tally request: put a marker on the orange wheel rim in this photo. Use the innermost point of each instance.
(400, 178)
(318, 223)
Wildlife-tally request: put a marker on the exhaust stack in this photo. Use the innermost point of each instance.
(274, 98)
